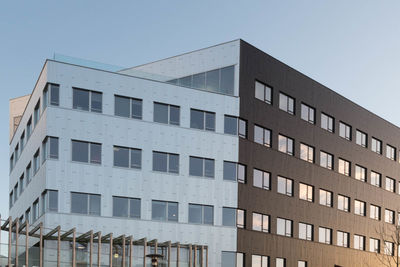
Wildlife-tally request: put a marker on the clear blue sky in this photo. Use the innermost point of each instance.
(353, 47)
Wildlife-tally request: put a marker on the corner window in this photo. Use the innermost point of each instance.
(345, 131)
(286, 145)
(164, 211)
(126, 207)
(167, 114)
(201, 214)
(232, 259)
(87, 100)
(361, 138)
(260, 222)
(235, 126)
(165, 162)
(286, 103)
(376, 145)
(83, 203)
(127, 157)
(201, 167)
(50, 148)
(50, 201)
(51, 95)
(263, 92)
(262, 136)
(128, 107)
(234, 172)
(307, 113)
(86, 152)
(229, 217)
(202, 120)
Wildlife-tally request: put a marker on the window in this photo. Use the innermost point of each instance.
(235, 126)
(374, 245)
(286, 103)
(343, 239)
(164, 211)
(21, 184)
(286, 145)
(390, 152)
(375, 179)
(28, 173)
(50, 201)
(285, 186)
(284, 227)
(325, 235)
(234, 172)
(260, 222)
(16, 150)
(344, 167)
(128, 107)
(389, 248)
(301, 264)
(325, 198)
(127, 157)
(233, 217)
(202, 120)
(16, 192)
(361, 138)
(263, 92)
(201, 167)
(376, 145)
(87, 100)
(83, 203)
(390, 184)
(359, 207)
(259, 261)
(240, 218)
(359, 242)
(231, 259)
(374, 212)
(343, 203)
(280, 262)
(168, 114)
(327, 123)
(307, 153)
(165, 162)
(201, 214)
(389, 216)
(306, 231)
(345, 131)
(126, 207)
(36, 162)
(35, 210)
(29, 128)
(28, 215)
(50, 148)
(306, 192)
(12, 162)
(308, 113)
(86, 152)
(22, 141)
(51, 95)
(361, 173)
(36, 113)
(261, 179)
(262, 136)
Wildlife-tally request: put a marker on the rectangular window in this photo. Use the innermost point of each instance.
(28, 173)
(164, 211)
(201, 214)
(10, 200)
(262, 136)
(50, 201)
(16, 150)
(36, 113)
(22, 141)
(325, 198)
(389, 248)
(325, 235)
(126, 207)
(361, 173)
(285, 186)
(327, 123)
(202, 120)
(86, 152)
(234, 172)
(345, 131)
(12, 162)
(261, 179)
(375, 179)
(240, 218)
(36, 162)
(259, 261)
(165, 162)
(374, 212)
(307, 153)
(16, 192)
(230, 259)
(361, 138)
(83, 203)
(344, 167)
(260, 222)
(51, 95)
(263, 92)
(128, 107)
(343, 239)
(242, 128)
(286, 103)
(374, 245)
(280, 262)
(359, 242)
(359, 207)
(343, 203)
(50, 148)
(286, 145)
(21, 184)
(235, 126)
(306, 192)
(28, 215)
(35, 210)
(301, 264)
(201, 167)
(87, 100)
(284, 227)
(165, 113)
(229, 217)
(376, 145)
(390, 152)
(308, 113)
(389, 216)
(29, 128)
(390, 185)
(127, 157)
(306, 231)
(326, 160)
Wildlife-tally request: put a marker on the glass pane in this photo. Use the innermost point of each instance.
(172, 211)
(136, 158)
(79, 203)
(227, 80)
(196, 119)
(96, 99)
(199, 80)
(258, 135)
(186, 81)
(80, 99)
(174, 115)
(94, 202)
(120, 206)
(53, 200)
(45, 98)
(160, 113)
(159, 210)
(134, 206)
(209, 167)
(242, 128)
(195, 213)
(259, 91)
(95, 153)
(80, 151)
(53, 148)
(121, 106)
(258, 178)
(256, 261)
(210, 121)
(136, 108)
(228, 216)
(121, 157)
(230, 125)
(280, 226)
(160, 161)
(54, 94)
(208, 215)
(196, 166)
(173, 163)
(228, 259)
(212, 80)
(229, 171)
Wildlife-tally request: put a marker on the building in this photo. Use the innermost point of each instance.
(225, 147)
